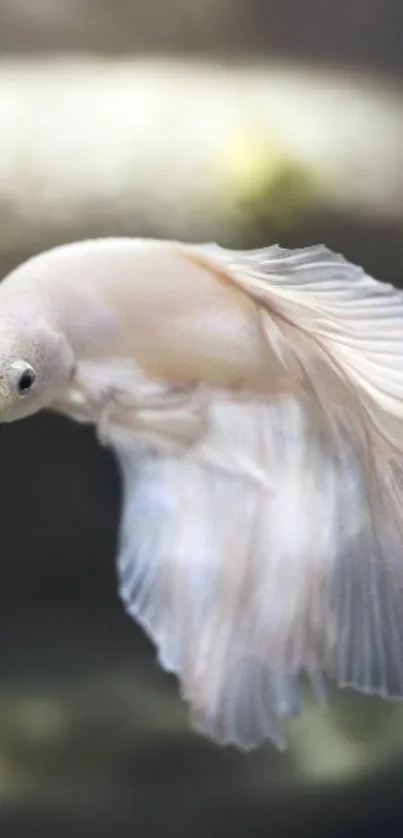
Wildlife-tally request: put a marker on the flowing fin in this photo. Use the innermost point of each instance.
(245, 586)
(353, 318)
(193, 571)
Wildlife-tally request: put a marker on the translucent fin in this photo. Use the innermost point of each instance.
(195, 568)
(245, 584)
(355, 319)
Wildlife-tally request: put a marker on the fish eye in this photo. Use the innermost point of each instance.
(26, 381)
(21, 376)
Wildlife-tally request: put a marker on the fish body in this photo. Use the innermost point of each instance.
(254, 402)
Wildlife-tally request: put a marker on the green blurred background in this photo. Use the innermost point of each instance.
(244, 121)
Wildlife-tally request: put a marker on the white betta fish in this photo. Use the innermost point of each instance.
(254, 401)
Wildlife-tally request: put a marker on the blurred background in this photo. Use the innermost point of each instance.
(244, 121)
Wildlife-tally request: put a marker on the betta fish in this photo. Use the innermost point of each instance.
(254, 404)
